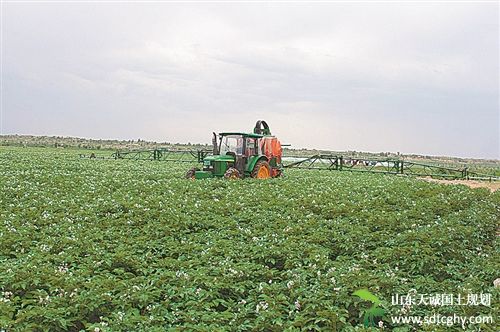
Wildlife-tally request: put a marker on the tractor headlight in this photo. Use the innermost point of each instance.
(206, 163)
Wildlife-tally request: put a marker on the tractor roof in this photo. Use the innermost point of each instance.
(252, 135)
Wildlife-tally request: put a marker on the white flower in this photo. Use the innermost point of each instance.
(63, 268)
(44, 300)
(73, 293)
(381, 324)
(297, 305)
(496, 283)
(289, 284)
(261, 306)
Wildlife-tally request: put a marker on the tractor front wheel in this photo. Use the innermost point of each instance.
(261, 170)
(190, 174)
(232, 173)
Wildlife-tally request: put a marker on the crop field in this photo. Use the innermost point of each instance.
(121, 245)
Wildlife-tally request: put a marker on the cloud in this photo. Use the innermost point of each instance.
(379, 77)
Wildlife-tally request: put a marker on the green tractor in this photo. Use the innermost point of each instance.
(238, 155)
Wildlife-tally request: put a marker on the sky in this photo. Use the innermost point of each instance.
(407, 77)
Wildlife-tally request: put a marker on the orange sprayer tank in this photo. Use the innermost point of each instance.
(271, 147)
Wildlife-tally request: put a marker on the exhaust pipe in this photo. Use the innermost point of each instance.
(214, 144)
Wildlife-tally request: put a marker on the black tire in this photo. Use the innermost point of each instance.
(261, 164)
(232, 173)
(279, 173)
(190, 173)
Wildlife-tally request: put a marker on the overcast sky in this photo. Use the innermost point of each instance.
(413, 78)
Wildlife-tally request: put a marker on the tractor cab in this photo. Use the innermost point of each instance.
(238, 155)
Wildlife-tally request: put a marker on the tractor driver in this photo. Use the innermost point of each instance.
(250, 147)
(239, 146)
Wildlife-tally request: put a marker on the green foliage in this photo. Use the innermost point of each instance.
(107, 245)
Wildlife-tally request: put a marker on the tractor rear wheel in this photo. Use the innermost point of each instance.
(261, 170)
(232, 173)
(191, 172)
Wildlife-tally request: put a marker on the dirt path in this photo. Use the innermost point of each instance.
(492, 186)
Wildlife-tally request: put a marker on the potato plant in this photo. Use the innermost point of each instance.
(117, 245)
